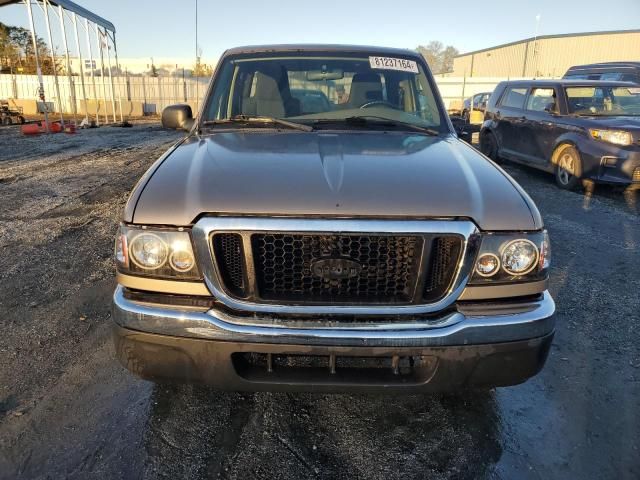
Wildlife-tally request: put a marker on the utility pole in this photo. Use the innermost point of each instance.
(535, 47)
(197, 63)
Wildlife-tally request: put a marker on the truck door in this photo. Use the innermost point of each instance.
(509, 118)
(542, 125)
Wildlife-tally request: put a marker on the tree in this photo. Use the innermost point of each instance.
(202, 69)
(448, 55)
(438, 57)
(16, 52)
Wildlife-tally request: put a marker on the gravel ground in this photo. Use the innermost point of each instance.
(68, 410)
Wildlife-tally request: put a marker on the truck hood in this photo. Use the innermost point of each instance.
(626, 123)
(629, 123)
(352, 174)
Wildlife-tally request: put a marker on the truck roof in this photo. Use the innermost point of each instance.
(570, 82)
(597, 66)
(302, 47)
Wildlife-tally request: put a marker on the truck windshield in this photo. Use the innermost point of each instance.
(324, 89)
(605, 100)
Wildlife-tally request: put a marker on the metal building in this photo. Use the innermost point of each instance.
(548, 55)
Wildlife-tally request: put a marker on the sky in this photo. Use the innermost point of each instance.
(161, 28)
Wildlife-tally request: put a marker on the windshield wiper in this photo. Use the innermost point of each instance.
(364, 120)
(257, 119)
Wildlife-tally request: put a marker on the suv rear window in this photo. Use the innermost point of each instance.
(514, 97)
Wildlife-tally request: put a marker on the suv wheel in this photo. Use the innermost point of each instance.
(489, 145)
(6, 121)
(568, 167)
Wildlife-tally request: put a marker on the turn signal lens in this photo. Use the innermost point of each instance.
(519, 257)
(122, 255)
(545, 252)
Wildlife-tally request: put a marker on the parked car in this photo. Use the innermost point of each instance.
(479, 103)
(361, 248)
(10, 115)
(576, 129)
(609, 71)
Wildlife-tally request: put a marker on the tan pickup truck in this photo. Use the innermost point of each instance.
(321, 227)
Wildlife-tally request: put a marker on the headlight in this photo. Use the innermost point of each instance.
(161, 253)
(519, 257)
(513, 257)
(619, 137)
(148, 251)
(487, 265)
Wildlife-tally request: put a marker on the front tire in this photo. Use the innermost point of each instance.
(489, 145)
(568, 167)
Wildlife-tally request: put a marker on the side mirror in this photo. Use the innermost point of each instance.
(464, 134)
(178, 117)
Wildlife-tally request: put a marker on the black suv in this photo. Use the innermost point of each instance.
(574, 129)
(609, 71)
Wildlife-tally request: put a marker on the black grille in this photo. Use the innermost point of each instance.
(284, 267)
(230, 257)
(443, 259)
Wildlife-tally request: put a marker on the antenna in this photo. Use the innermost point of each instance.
(197, 63)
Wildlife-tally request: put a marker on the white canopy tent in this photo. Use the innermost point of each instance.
(104, 35)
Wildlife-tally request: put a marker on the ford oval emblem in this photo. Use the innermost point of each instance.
(336, 268)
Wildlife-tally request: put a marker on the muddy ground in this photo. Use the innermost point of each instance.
(68, 410)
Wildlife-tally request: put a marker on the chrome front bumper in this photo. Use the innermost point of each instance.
(477, 323)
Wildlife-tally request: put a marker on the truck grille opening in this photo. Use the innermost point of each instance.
(334, 369)
(230, 258)
(327, 268)
(284, 267)
(444, 259)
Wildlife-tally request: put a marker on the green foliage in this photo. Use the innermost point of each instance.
(202, 69)
(17, 55)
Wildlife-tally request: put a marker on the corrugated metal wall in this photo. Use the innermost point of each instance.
(549, 57)
(157, 93)
(154, 93)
